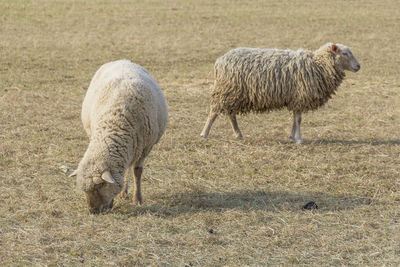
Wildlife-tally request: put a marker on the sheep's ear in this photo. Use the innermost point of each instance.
(106, 176)
(334, 48)
(75, 173)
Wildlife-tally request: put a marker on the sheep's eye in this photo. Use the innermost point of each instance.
(345, 54)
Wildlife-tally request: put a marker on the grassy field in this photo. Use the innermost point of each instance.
(214, 202)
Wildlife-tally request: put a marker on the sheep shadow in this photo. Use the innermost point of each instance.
(175, 204)
(346, 142)
(357, 142)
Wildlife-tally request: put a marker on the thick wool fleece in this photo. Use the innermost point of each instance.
(125, 114)
(259, 80)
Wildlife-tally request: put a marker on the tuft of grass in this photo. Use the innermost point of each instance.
(214, 202)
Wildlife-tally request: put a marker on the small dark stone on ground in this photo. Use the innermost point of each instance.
(211, 231)
(310, 206)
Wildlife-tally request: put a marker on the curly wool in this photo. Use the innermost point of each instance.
(124, 113)
(260, 80)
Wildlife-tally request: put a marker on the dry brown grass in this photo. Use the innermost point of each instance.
(249, 192)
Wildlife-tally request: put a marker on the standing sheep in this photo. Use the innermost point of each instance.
(260, 80)
(124, 114)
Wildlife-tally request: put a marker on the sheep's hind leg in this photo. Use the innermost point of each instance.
(124, 192)
(210, 120)
(138, 194)
(295, 136)
(235, 126)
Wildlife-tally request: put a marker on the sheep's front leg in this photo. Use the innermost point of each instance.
(210, 120)
(296, 134)
(138, 194)
(235, 126)
(124, 192)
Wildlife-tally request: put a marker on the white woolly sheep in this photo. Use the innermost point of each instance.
(260, 80)
(124, 113)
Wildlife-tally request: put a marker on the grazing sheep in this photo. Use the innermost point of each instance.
(125, 114)
(260, 80)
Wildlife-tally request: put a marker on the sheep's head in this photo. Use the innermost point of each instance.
(344, 58)
(103, 193)
(100, 187)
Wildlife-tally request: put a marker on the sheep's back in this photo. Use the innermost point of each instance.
(124, 100)
(252, 79)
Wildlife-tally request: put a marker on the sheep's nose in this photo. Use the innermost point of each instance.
(111, 204)
(357, 67)
(94, 210)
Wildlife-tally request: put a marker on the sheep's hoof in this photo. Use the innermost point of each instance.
(138, 203)
(204, 135)
(239, 136)
(297, 141)
(138, 200)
